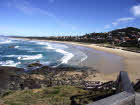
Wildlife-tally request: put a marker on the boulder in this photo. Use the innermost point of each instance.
(35, 65)
(11, 47)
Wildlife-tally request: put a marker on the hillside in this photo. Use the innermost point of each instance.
(60, 95)
(127, 30)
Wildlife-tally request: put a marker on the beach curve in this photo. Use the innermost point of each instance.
(131, 60)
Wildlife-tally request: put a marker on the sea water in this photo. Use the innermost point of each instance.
(20, 53)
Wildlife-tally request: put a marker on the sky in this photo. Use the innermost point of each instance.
(66, 17)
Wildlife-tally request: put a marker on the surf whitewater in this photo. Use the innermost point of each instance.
(20, 53)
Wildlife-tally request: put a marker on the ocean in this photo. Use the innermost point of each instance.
(20, 53)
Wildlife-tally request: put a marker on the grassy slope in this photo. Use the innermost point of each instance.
(50, 96)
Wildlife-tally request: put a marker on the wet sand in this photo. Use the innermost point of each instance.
(99, 60)
(130, 62)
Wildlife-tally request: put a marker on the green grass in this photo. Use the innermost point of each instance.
(7, 93)
(50, 96)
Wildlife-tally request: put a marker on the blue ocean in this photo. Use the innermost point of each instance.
(20, 53)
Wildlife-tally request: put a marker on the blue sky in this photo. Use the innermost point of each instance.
(66, 17)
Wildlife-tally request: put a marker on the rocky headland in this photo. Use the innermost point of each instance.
(43, 76)
(44, 85)
(65, 79)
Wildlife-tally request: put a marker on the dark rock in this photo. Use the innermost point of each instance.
(12, 78)
(11, 47)
(35, 65)
(7, 76)
(31, 84)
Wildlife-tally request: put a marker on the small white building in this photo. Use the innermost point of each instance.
(139, 40)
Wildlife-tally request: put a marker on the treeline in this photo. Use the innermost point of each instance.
(126, 37)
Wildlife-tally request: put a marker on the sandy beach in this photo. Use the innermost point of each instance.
(131, 61)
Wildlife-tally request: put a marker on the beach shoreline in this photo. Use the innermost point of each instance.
(130, 59)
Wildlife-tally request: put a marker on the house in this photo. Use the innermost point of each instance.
(117, 41)
(126, 39)
(138, 42)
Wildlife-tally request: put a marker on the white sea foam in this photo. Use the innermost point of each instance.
(16, 46)
(5, 41)
(25, 48)
(84, 58)
(35, 51)
(10, 56)
(50, 47)
(59, 45)
(58, 48)
(50, 44)
(29, 57)
(67, 56)
(26, 57)
(41, 43)
(9, 63)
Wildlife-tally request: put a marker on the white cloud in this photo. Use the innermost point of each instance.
(27, 8)
(126, 19)
(115, 23)
(120, 21)
(107, 26)
(136, 10)
(123, 20)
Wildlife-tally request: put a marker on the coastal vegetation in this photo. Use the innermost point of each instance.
(60, 95)
(128, 38)
(51, 86)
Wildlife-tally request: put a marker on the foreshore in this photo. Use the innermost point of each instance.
(131, 60)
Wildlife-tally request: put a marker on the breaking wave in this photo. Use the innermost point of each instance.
(26, 57)
(9, 63)
(67, 55)
(25, 52)
(5, 41)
